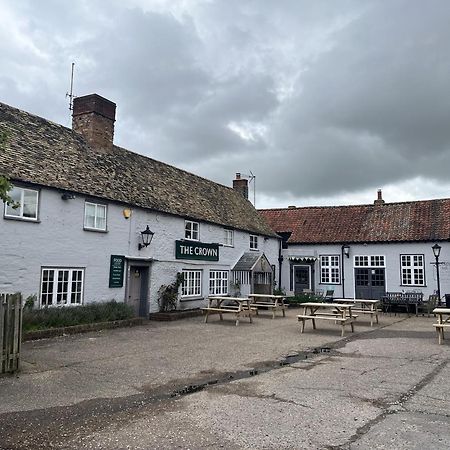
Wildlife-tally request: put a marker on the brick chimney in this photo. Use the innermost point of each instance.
(93, 117)
(379, 200)
(241, 185)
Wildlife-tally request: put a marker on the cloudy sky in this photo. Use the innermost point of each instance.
(324, 101)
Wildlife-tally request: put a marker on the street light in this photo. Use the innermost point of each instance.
(437, 251)
(345, 250)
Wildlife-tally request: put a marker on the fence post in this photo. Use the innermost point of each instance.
(10, 332)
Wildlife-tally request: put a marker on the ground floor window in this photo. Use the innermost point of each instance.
(61, 287)
(192, 283)
(218, 282)
(329, 269)
(412, 270)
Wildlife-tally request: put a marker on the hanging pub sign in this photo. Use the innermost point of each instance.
(196, 250)
(116, 270)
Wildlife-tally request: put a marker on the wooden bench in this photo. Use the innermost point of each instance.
(363, 306)
(338, 312)
(442, 323)
(241, 308)
(274, 303)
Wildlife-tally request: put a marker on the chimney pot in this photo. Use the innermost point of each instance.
(93, 117)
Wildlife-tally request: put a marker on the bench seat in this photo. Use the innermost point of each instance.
(440, 330)
(271, 306)
(327, 316)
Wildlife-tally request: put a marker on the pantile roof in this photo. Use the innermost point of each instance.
(427, 220)
(44, 153)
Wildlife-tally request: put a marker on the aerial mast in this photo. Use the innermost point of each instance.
(70, 94)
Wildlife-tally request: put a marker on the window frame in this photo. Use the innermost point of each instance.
(219, 285)
(96, 204)
(228, 232)
(254, 247)
(21, 205)
(411, 268)
(371, 261)
(67, 290)
(191, 289)
(191, 223)
(329, 269)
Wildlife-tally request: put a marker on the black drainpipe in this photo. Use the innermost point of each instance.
(280, 262)
(343, 272)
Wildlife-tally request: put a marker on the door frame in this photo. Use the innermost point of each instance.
(294, 266)
(144, 306)
(370, 277)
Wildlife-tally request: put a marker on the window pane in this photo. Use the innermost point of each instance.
(15, 194)
(30, 204)
(89, 219)
(101, 217)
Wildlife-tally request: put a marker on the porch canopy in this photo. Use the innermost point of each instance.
(304, 259)
(254, 269)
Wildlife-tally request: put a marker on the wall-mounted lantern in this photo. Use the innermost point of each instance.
(346, 250)
(126, 213)
(147, 236)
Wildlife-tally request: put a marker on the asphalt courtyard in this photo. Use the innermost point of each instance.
(264, 385)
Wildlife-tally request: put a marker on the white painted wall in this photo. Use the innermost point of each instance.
(391, 253)
(59, 240)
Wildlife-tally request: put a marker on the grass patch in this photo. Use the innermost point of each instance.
(45, 318)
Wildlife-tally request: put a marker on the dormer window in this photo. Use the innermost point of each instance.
(27, 199)
(191, 230)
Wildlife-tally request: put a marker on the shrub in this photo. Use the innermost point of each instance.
(302, 298)
(168, 294)
(39, 319)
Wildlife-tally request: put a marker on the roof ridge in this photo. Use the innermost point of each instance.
(355, 205)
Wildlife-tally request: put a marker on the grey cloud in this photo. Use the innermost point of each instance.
(364, 85)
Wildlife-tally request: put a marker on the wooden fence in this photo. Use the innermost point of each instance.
(10, 332)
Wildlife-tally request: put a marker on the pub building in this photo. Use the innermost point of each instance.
(97, 222)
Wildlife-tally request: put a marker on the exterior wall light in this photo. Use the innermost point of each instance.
(67, 196)
(147, 236)
(126, 213)
(346, 250)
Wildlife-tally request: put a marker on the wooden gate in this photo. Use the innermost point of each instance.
(10, 332)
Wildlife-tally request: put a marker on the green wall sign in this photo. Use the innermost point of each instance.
(116, 270)
(196, 250)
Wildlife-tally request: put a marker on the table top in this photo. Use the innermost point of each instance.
(441, 311)
(267, 295)
(327, 305)
(356, 300)
(237, 299)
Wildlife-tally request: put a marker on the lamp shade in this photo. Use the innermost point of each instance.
(436, 250)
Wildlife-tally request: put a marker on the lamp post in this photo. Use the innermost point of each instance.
(437, 251)
(345, 250)
(147, 236)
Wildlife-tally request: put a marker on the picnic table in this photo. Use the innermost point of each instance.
(239, 306)
(443, 321)
(338, 312)
(271, 302)
(362, 306)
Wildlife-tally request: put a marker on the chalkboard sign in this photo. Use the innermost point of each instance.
(116, 270)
